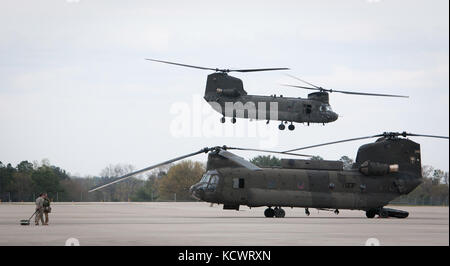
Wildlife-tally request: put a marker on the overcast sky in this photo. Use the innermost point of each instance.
(75, 88)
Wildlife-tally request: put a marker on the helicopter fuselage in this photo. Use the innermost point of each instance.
(383, 171)
(227, 96)
(346, 189)
(276, 108)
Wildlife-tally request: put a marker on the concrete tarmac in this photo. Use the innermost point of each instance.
(197, 223)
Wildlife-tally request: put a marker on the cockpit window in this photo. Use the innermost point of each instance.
(213, 182)
(325, 108)
(205, 178)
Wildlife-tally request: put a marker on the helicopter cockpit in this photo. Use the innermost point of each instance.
(207, 184)
(327, 113)
(325, 108)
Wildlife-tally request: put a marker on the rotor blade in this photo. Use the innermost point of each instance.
(218, 69)
(429, 136)
(334, 142)
(347, 92)
(257, 69)
(369, 94)
(239, 160)
(184, 65)
(302, 87)
(304, 81)
(277, 152)
(124, 177)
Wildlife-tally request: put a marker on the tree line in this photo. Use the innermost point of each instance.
(169, 183)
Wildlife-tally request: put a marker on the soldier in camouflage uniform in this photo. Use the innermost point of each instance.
(47, 208)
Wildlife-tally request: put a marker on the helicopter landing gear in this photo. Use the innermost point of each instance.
(222, 120)
(269, 212)
(291, 126)
(371, 213)
(336, 211)
(383, 213)
(307, 212)
(233, 120)
(279, 212)
(281, 126)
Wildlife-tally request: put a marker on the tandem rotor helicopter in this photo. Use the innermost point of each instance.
(383, 170)
(222, 89)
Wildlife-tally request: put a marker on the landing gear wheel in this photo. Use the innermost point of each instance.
(269, 212)
(370, 214)
(307, 212)
(222, 120)
(281, 126)
(279, 212)
(233, 120)
(291, 127)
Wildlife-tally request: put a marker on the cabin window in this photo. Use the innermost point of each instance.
(308, 109)
(349, 185)
(238, 183)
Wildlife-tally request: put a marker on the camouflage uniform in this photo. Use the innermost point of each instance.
(40, 210)
(47, 209)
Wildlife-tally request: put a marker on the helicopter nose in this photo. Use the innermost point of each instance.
(196, 192)
(334, 116)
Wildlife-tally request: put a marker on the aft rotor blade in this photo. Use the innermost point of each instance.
(124, 177)
(257, 69)
(184, 65)
(277, 152)
(334, 142)
(218, 69)
(239, 160)
(428, 136)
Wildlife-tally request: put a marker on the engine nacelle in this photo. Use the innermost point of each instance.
(377, 169)
(228, 92)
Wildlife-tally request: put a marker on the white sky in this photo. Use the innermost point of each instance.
(75, 88)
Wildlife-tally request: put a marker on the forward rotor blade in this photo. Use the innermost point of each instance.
(124, 177)
(334, 142)
(302, 87)
(347, 92)
(184, 65)
(239, 160)
(277, 152)
(304, 81)
(369, 94)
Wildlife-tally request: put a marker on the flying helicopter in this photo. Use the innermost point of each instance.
(227, 96)
(383, 170)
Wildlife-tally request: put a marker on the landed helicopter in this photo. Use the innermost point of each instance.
(384, 170)
(227, 96)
